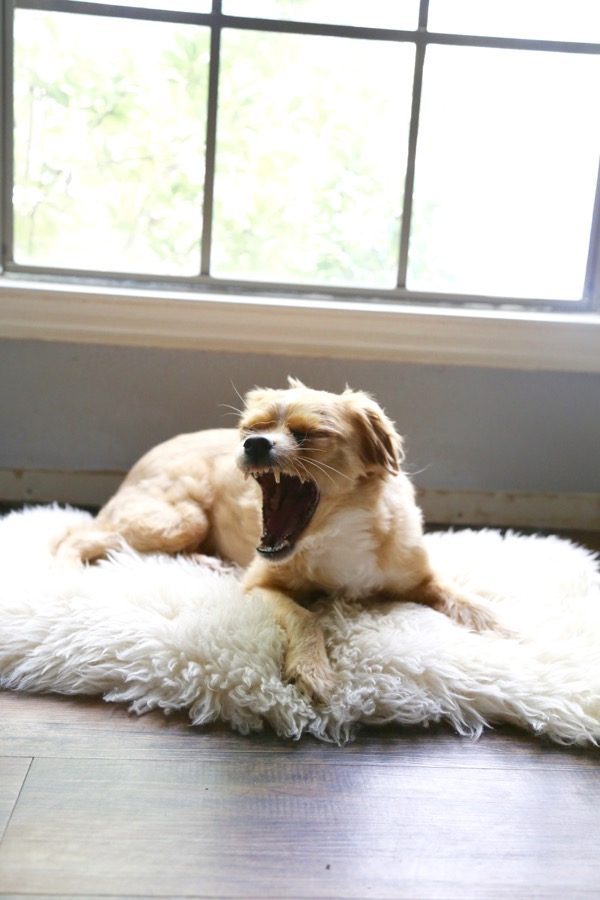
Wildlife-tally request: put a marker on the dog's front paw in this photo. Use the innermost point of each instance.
(313, 677)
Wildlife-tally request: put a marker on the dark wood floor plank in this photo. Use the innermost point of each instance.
(272, 826)
(76, 728)
(13, 772)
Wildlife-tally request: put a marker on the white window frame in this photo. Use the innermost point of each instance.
(211, 313)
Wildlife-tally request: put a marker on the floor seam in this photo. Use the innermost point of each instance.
(17, 798)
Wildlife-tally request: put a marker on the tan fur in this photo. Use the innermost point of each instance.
(189, 495)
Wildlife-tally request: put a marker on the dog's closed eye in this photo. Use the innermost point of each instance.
(312, 434)
(299, 436)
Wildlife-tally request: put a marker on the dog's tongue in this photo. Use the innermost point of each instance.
(287, 509)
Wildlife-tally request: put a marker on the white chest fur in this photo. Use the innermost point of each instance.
(343, 555)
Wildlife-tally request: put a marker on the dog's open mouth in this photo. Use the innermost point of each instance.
(289, 503)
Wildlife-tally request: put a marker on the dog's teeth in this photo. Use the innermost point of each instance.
(282, 545)
(277, 475)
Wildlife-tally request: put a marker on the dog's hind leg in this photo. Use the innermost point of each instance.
(148, 524)
(85, 543)
(462, 608)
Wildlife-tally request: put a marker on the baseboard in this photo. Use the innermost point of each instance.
(516, 509)
(520, 509)
(47, 485)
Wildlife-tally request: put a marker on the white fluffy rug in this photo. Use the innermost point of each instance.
(162, 632)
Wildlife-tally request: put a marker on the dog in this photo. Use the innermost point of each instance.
(308, 495)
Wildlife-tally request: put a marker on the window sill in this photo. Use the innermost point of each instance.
(368, 331)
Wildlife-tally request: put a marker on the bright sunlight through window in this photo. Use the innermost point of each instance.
(415, 150)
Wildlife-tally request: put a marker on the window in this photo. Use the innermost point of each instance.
(441, 151)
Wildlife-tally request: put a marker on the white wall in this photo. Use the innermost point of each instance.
(83, 407)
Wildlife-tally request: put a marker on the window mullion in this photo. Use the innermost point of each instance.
(409, 180)
(6, 132)
(211, 141)
(592, 275)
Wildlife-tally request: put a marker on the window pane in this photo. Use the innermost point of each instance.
(310, 158)
(109, 142)
(198, 6)
(402, 14)
(506, 170)
(555, 20)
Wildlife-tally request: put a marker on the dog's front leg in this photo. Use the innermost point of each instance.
(306, 661)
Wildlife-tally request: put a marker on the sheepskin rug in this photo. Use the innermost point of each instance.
(157, 632)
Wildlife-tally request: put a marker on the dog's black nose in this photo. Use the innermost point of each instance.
(257, 448)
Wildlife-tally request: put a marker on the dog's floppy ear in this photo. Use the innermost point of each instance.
(294, 382)
(380, 444)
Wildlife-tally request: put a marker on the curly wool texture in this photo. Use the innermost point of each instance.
(162, 632)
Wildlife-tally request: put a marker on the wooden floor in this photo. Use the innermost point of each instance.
(97, 803)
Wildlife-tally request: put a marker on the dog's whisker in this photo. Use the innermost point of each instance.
(309, 475)
(321, 465)
(235, 409)
(298, 462)
(413, 472)
(304, 470)
(294, 463)
(323, 469)
(299, 473)
(237, 392)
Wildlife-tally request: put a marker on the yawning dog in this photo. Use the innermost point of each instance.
(308, 495)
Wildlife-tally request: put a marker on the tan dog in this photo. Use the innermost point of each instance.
(338, 514)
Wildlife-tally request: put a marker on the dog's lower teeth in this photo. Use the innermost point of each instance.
(277, 548)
